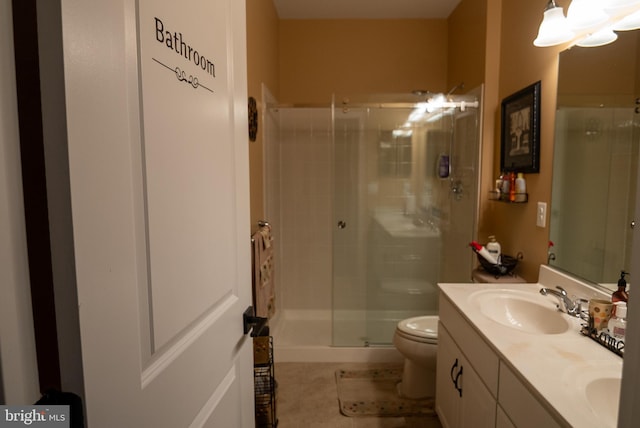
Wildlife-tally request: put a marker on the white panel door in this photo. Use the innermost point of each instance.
(156, 104)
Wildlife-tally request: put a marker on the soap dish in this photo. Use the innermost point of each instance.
(611, 343)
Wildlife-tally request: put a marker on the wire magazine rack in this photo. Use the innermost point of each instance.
(264, 382)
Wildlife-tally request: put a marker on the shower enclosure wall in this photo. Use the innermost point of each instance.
(373, 203)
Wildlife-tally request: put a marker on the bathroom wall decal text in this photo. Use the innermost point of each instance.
(174, 41)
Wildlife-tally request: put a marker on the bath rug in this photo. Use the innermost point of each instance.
(373, 392)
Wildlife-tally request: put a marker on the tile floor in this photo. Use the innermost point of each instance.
(307, 397)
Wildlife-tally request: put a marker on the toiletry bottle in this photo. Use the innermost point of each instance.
(505, 183)
(521, 184)
(493, 247)
(498, 187)
(483, 252)
(512, 186)
(621, 294)
(618, 323)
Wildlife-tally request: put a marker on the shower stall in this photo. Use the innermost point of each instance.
(373, 201)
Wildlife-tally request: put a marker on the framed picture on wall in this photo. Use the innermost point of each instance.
(520, 136)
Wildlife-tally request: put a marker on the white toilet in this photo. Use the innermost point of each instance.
(417, 340)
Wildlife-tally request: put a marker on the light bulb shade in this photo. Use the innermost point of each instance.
(614, 7)
(599, 38)
(553, 29)
(628, 23)
(585, 15)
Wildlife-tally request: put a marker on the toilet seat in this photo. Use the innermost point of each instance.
(420, 329)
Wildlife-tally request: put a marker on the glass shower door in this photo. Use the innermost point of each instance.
(349, 236)
(397, 215)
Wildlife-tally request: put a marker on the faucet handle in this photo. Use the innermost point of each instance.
(580, 312)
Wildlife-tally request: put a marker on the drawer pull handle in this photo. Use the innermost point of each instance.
(458, 387)
(453, 368)
(456, 379)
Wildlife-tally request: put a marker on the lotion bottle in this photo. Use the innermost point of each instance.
(618, 323)
(521, 184)
(494, 248)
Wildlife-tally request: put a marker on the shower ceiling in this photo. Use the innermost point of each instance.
(364, 9)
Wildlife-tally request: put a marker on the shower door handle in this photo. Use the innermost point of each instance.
(457, 188)
(342, 224)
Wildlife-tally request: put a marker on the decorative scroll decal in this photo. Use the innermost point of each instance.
(182, 76)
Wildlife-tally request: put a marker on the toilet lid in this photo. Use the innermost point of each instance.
(425, 327)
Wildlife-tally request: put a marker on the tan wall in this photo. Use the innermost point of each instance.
(487, 41)
(616, 59)
(467, 28)
(522, 64)
(349, 57)
(262, 67)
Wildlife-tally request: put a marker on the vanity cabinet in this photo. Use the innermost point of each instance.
(474, 387)
(462, 399)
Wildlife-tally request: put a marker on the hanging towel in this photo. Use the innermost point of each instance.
(266, 236)
(263, 270)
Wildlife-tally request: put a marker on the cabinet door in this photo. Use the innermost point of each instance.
(462, 400)
(447, 396)
(502, 420)
(478, 405)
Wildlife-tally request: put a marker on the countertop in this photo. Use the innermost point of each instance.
(555, 367)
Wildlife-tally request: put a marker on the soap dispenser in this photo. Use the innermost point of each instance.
(621, 294)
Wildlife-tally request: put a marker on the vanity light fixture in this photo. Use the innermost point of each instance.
(588, 23)
(599, 38)
(585, 15)
(628, 23)
(554, 29)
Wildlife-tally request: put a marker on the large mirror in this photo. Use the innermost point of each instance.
(595, 161)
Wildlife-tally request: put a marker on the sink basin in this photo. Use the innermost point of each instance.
(597, 385)
(603, 395)
(523, 311)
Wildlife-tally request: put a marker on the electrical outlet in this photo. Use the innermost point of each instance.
(541, 214)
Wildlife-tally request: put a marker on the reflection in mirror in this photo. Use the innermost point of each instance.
(595, 159)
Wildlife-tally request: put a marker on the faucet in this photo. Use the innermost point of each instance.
(566, 305)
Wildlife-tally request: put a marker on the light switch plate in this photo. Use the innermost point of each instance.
(541, 214)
